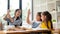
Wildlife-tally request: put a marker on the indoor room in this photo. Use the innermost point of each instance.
(29, 16)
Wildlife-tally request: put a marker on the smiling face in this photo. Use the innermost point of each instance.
(43, 17)
(38, 17)
(47, 18)
(17, 13)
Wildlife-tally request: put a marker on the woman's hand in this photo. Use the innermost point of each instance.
(8, 14)
(8, 11)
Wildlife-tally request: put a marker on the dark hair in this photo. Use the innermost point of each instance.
(48, 18)
(15, 13)
(17, 10)
(39, 14)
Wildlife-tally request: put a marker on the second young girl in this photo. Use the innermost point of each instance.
(36, 23)
(46, 20)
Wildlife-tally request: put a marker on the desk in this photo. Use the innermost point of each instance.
(23, 32)
(56, 31)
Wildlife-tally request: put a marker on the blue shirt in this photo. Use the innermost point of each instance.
(35, 24)
(16, 22)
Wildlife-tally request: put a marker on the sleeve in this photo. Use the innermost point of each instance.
(35, 25)
(31, 22)
(8, 20)
(18, 22)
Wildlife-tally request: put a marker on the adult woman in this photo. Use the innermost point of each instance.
(16, 20)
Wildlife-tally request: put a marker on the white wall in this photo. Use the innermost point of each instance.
(43, 5)
(39, 6)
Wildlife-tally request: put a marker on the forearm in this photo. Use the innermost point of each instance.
(5, 17)
(28, 20)
(11, 20)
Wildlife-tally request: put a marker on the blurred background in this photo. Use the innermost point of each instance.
(53, 6)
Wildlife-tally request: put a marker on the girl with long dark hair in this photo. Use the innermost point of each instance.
(46, 20)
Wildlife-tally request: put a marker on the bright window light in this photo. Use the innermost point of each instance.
(3, 8)
(26, 4)
(14, 4)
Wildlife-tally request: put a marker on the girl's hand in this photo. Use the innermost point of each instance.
(29, 12)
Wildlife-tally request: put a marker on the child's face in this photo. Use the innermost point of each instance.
(43, 17)
(38, 18)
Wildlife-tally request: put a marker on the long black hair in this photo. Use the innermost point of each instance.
(39, 14)
(18, 17)
(15, 13)
(48, 18)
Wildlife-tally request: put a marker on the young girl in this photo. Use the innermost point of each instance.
(36, 23)
(46, 20)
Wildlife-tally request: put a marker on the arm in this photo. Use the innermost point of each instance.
(8, 17)
(5, 17)
(28, 20)
(11, 20)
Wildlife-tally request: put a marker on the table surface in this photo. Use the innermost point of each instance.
(24, 31)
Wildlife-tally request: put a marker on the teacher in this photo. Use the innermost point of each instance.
(16, 20)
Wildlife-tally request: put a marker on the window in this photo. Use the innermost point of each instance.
(26, 5)
(14, 4)
(3, 9)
